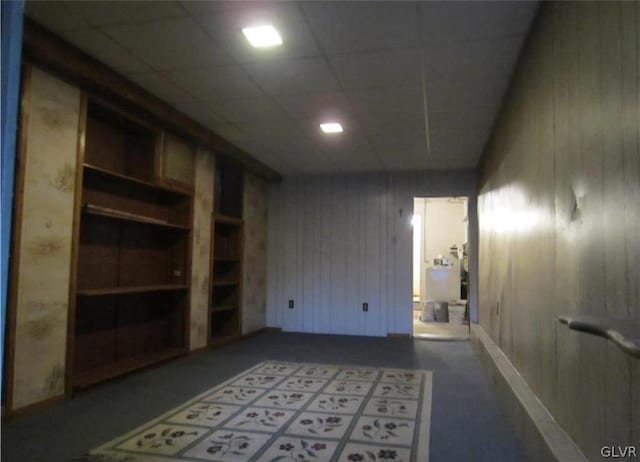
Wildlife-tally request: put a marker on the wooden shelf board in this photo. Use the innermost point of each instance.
(125, 216)
(93, 376)
(130, 179)
(225, 283)
(227, 220)
(130, 290)
(219, 309)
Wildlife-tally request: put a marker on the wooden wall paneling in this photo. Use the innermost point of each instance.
(336, 241)
(45, 242)
(318, 204)
(545, 199)
(309, 280)
(567, 178)
(383, 257)
(274, 257)
(323, 301)
(403, 267)
(352, 237)
(254, 277)
(75, 242)
(566, 148)
(631, 177)
(617, 372)
(338, 316)
(16, 232)
(289, 231)
(361, 270)
(388, 320)
(300, 263)
(372, 251)
(592, 264)
(202, 249)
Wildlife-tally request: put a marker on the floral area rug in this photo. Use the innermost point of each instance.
(291, 412)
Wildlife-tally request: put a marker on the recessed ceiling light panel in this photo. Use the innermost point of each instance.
(331, 127)
(262, 36)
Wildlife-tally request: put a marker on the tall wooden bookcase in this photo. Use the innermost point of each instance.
(225, 317)
(133, 251)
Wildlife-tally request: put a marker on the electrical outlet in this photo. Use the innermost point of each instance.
(290, 304)
(365, 306)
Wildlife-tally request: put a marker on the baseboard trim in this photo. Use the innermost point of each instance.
(10, 414)
(542, 437)
(272, 330)
(398, 335)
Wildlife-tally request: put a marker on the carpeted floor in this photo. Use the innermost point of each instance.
(440, 330)
(466, 421)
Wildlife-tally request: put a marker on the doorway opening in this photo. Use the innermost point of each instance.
(441, 268)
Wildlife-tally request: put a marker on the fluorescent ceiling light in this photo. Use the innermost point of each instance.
(262, 36)
(331, 127)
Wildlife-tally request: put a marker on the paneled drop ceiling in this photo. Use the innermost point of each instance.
(367, 64)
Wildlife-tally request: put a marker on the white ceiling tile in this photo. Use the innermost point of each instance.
(456, 120)
(227, 27)
(218, 83)
(404, 160)
(290, 77)
(159, 86)
(198, 7)
(449, 21)
(201, 112)
(467, 93)
(317, 106)
(102, 13)
(56, 16)
(249, 111)
(95, 43)
(450, 163)
(374, 69)
(345, 27)
(467, 144)
(353, 61)
(409, 140)
(169, 44)
(387, 104)
(357, 161)
(481, 58)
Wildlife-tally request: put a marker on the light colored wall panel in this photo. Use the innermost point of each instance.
(336, 241)
(178, 160)
(254, 288)
(201, 249)
(44, 251)
(558, 213)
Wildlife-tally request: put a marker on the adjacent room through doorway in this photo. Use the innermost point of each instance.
(440, 268)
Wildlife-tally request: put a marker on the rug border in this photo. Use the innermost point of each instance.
(422, 452)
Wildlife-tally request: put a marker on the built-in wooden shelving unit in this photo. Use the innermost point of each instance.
(226, 268)
(132, 285)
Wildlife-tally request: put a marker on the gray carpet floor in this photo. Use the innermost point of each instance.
(467, 421)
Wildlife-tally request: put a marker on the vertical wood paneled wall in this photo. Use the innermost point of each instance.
(254, 264)
(337, 241)
(42, 251)
(559, 217)
(201, 249)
